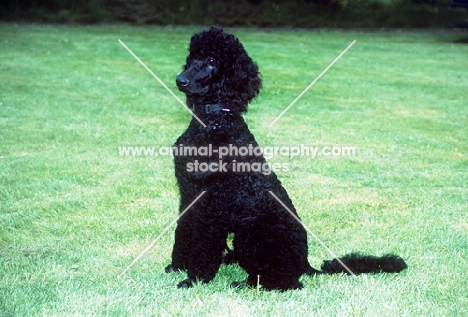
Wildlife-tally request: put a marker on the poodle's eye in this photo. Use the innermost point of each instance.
(211, 61)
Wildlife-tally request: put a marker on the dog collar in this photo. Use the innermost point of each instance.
(209, 108)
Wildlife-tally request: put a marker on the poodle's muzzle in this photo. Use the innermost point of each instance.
(196, 78)
(182, 81)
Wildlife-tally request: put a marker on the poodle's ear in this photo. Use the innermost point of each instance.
(245, 81)
(253, 80)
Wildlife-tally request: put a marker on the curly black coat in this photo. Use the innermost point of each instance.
(219, 80)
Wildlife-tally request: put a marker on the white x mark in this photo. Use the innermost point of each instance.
(311, 84)
(163, 84)
(160, 235)
(312, 233)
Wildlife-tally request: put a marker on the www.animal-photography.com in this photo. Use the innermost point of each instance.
(233, 158)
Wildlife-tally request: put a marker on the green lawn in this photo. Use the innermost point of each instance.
(74, 213)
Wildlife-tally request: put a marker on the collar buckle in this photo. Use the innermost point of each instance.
(208, 109)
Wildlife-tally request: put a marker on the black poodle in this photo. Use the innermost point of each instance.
(219, 156)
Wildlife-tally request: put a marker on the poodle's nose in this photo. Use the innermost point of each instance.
(182, 81)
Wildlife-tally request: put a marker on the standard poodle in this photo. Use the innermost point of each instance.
(242, 195)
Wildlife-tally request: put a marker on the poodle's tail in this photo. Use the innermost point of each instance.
(357, 263)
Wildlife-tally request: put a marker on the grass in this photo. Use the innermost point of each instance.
(74, 214)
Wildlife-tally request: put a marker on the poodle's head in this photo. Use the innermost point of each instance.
(218, 69)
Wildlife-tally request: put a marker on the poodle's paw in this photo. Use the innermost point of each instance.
(170, 269)
(297, 285)
(185, 284)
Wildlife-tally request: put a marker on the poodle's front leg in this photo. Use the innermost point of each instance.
(206, 253)
(181, 249)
